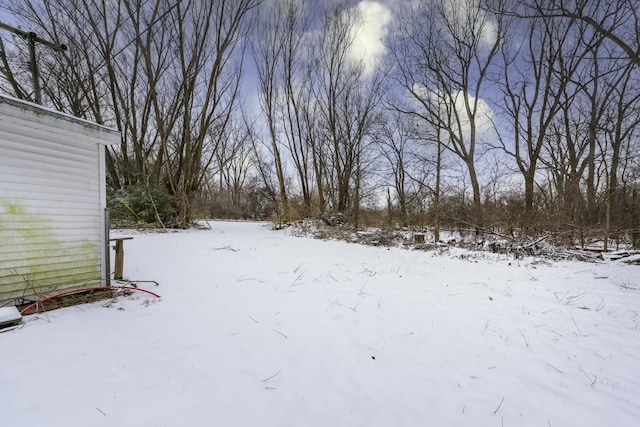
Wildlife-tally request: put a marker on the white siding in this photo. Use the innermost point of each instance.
(52, 201)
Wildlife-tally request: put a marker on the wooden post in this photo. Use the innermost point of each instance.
(119, 260)
(119, 248)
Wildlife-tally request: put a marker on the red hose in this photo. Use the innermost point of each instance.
(79, 291)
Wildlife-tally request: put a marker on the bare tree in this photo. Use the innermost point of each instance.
(617, 20)
(619, 123)
(393, 137)
(298, 93)
(234, 158)
(347, 100)
(444, 67)
(10, 78)
(288, 94)
(311, 117)
(206, 75)
(534, 82)
(162, 74)
(268, 50)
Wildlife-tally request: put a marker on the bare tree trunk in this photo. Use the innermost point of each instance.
(267, 54)
(436, 196)
(444, 67)
(533, 81)
(347, 100)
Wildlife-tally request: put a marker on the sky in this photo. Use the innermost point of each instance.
(369, 46)
(5, 16)
(369, 38)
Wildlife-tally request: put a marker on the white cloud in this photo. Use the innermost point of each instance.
(464, 11)
(483, 114)
(368, 45)
(483, 117)
(489, 33)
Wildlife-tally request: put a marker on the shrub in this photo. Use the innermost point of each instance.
(139, 204)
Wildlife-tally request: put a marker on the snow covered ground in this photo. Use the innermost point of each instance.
(259, 328)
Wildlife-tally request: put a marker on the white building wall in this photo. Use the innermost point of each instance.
(52, 201)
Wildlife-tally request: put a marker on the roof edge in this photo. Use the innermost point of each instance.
(39, 109)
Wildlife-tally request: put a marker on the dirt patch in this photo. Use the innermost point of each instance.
(70, 300)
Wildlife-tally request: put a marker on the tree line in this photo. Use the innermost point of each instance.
(513, 117)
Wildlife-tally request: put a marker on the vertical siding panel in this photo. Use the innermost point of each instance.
(52, 201)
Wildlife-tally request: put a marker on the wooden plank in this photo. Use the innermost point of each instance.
(9, 316)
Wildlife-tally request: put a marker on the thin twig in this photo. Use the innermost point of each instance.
(551, 366)
(498, 408)
(571, 298)
(524, 338)
(272, 376)
(362, 291)
(555, 332)
(225, 248)
(574, 322)
(561, 298)
(593, 381)
(485, 326)
(278, 332)
(294, 283)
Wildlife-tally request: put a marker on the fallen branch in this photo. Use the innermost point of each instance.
(535, 242)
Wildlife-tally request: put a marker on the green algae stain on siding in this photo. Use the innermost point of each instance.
(13, 209)
(34, 261)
